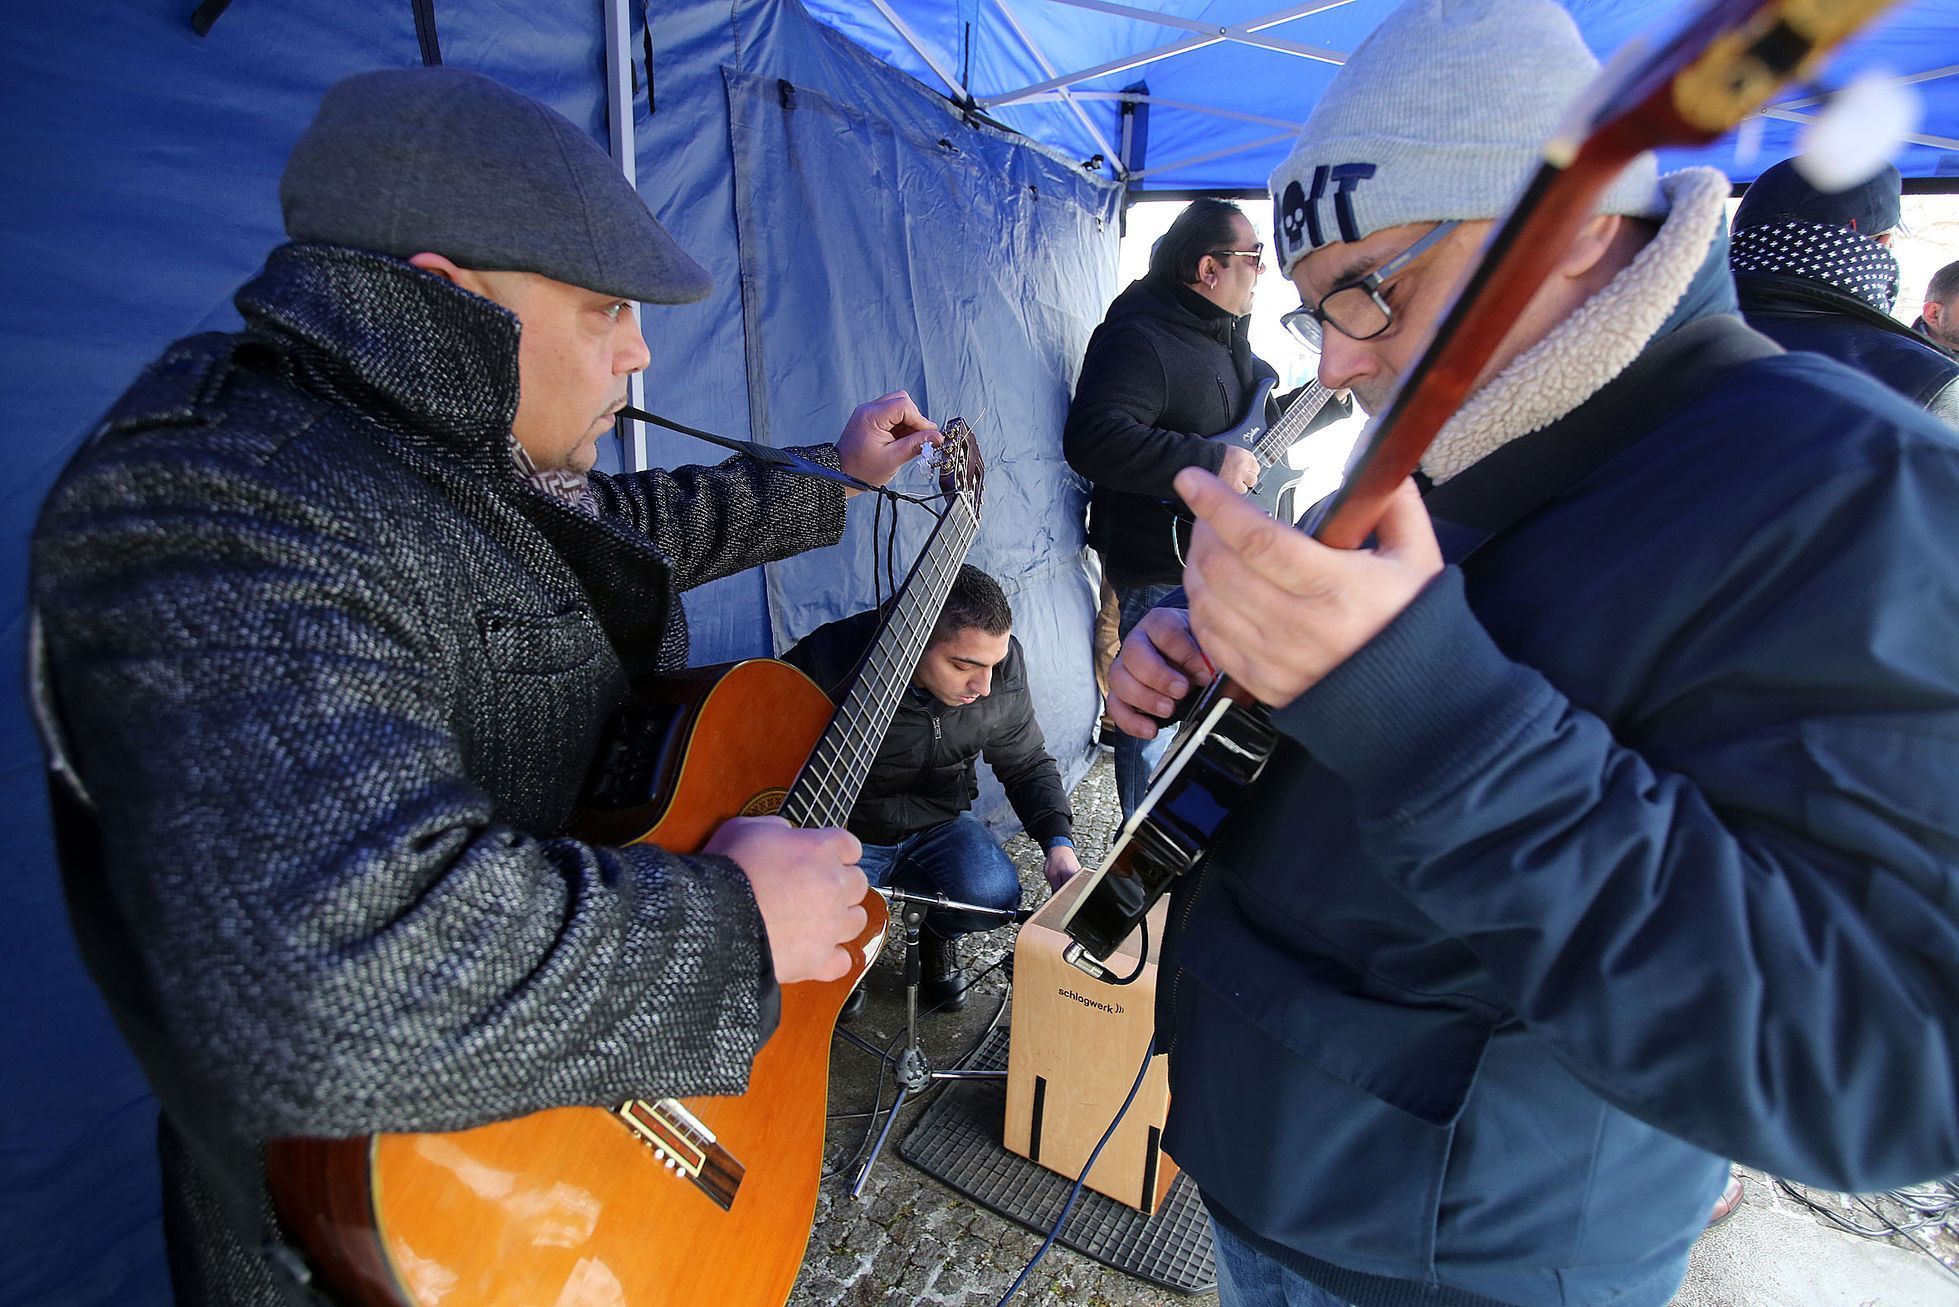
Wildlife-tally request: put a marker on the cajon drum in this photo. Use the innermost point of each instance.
(1073, 1052)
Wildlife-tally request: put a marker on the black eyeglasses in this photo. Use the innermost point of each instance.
(1356, 310)
(1256, 254)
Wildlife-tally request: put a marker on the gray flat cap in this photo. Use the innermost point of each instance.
(409, 160)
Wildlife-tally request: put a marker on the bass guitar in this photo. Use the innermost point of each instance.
(668, 1201)
(1269, 443)
(1720, 66)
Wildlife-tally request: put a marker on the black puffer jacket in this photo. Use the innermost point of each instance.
(1798, 313)
(334, 672)
(1164, 370)
(924, 770)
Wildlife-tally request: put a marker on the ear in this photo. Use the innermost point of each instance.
(436, 264)
(1932, 312)
(1590, 245)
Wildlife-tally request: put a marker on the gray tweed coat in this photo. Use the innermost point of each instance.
(332, 673)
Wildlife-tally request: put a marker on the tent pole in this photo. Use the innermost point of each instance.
(1117, 161)
(619, 120)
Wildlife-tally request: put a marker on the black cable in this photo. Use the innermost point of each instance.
(1934, 1212)
(768, 454)
(1055, 1230)
(1142, 957)
(877, 576)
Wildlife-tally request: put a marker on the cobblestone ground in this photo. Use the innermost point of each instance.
(910, 1239)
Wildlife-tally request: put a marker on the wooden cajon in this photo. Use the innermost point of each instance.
(1073, 1052)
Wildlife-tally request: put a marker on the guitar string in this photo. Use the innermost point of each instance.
(819, 780)
(833, 775)
(862, 753)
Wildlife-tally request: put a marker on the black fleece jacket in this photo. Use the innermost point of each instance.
(924, 770)
(1164, 370)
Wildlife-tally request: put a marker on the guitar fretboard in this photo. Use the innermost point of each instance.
(1292, 424)
(826, 789)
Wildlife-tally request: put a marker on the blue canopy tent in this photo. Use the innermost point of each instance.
(1184, 96)
(887, 195)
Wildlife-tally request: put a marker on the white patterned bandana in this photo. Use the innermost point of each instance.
(1820, 251)
(572, 489)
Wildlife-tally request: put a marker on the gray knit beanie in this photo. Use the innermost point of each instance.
(1441, 113)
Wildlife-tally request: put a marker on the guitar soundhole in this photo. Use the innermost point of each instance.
(764, 803)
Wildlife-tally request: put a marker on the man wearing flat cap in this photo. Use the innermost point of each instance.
(332, 610)
(1610, 834)
(1814, 271)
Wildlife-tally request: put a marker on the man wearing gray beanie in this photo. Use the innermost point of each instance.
(1610, 834)
(334, 609)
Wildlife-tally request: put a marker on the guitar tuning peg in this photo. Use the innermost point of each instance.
(1857, 131)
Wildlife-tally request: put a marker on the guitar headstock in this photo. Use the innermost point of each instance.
(962, 471)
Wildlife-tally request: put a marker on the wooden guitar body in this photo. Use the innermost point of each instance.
(596, 1207)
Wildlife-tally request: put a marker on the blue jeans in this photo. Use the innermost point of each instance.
(1249, 1278)
(1135, 759)
(957, 859)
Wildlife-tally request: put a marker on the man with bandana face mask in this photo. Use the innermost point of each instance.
(1815, 271)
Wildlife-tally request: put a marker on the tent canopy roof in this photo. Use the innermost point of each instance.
(1229, 81)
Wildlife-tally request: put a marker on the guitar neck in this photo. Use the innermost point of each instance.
(1285, 433)
(1717, 69)
(826, 789)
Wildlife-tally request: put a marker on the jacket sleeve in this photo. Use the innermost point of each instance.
(1017, 752)
(339, 931)
(1111, 436)
(712, 522)
(1763, 960)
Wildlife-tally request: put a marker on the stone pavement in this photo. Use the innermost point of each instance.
(912, 1240)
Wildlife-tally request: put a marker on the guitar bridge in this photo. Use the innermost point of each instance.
(685, 1146)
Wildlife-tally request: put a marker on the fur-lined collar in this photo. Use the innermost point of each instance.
(1596, 343)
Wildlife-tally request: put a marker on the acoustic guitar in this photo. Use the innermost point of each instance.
(672, 1201)
(1720, 65)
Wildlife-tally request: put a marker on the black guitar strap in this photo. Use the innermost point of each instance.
(1523, 476)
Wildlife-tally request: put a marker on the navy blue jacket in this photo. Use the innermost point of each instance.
(1803, 313)
(1628, 848)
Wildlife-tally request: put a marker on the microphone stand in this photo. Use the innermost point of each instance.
(913, 1068)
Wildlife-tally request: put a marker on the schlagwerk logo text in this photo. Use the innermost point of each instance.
(1114, 1008)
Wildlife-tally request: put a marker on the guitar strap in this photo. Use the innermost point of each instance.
(1503, 489)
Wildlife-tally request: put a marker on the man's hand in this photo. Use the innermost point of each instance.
(1158, 665)
(1061, 864)
(1276, 609)
(1240, 470)
(808, 887)
(881, 436)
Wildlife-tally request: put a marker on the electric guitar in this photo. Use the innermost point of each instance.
(1269, 444)
(1720, 66)
(671, 1201)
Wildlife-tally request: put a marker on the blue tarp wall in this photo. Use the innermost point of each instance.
(863, 239)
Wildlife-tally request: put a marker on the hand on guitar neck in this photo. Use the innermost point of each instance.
(808, 888)
(1270, 607)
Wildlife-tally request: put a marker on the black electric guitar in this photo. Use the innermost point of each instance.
(1719, 67)
(1269, 443)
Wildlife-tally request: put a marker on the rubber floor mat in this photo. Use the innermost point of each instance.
(957, 1140)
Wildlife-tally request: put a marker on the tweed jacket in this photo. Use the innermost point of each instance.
(331, 672)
